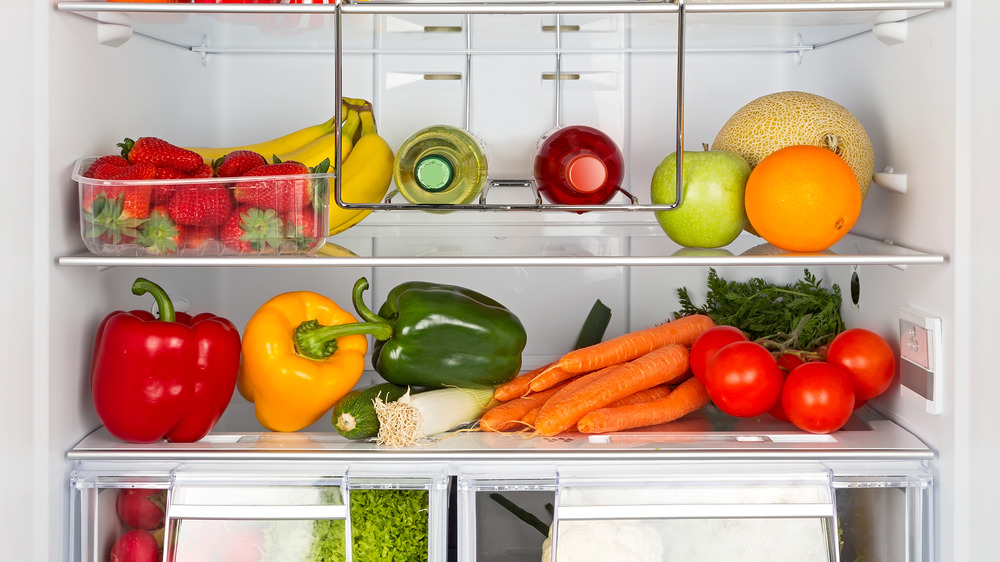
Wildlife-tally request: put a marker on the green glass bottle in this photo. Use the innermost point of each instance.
(440, 165)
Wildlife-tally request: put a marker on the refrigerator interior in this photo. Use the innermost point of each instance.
(84, 96)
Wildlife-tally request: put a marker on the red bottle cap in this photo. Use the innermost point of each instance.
(586, 173)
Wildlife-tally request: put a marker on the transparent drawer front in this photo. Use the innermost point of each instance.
(652, 512)
(504, 519)
(274, 513)
(697, 516)
(885, 519)
(110, 512)
(265, 521)
(398, 512)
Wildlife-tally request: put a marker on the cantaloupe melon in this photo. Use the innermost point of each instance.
(782, 119)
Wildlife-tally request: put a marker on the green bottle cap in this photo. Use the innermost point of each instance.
(433, 173)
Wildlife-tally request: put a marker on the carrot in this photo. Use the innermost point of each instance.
(659, 366)
(528, 420)
(506, 415)
(519, 385)
(647, 395)
(549, 378)
(579, 382)
(629, 346)
(689, 396)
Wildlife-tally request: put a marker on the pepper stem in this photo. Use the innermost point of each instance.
(316, 341)
(164, 306)
(359, 304)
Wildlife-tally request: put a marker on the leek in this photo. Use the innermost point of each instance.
(416, 416)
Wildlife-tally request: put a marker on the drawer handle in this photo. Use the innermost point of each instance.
(562, 28)
(560, 76)
(442, 76)
(442, 29)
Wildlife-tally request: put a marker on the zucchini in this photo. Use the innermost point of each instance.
(354, 414)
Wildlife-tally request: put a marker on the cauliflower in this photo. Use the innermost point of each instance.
(599, 541)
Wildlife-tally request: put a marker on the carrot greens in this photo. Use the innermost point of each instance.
(799, 316)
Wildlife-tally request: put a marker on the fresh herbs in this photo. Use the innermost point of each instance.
(802, 316)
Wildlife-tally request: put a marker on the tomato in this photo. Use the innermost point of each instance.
(708, 344)
(778, 411)
(743, 379)
(789, 361)
(818, 397)
(867, 359)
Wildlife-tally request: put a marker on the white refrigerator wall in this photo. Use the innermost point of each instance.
(976, 453)
(928, 104)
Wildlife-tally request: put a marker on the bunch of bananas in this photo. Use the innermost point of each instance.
(366, 158)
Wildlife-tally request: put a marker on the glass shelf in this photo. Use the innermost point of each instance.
(704, 435)
(714, 25)
(485, 242)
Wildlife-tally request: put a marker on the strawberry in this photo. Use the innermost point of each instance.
(105, 166)
(193, 237)
(112, 209)
(203, 171)
(300, 227)
(160, 153)
(159, 234)
(278, 194)
(140, 171)
(201, 205)
(116, 219)
(163, 192)
(250, 229)
(237, 163)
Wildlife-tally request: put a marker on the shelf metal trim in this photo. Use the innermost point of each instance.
(494, 457)
(89, 260)
(502, 7)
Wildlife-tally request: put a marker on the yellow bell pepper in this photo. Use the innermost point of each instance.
(301, 354)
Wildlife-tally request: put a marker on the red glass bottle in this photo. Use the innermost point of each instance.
(578, 165)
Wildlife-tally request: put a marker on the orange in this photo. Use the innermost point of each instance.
(802, 198)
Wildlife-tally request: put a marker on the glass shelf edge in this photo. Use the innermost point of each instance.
(891, 259)
(500, 6)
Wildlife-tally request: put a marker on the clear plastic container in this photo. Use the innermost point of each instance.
(440, 165)
(203, 217)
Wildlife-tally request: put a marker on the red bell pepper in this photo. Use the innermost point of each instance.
(169, 378)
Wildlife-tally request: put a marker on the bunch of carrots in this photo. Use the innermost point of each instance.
(622, 383)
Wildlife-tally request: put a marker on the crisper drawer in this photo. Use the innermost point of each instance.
(697, 512)
(285, 512)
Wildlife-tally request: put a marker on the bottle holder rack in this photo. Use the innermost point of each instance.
(538, 204)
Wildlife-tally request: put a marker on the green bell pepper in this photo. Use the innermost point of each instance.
(444, 335)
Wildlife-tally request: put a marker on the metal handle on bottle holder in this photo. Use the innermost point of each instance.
(679, 174)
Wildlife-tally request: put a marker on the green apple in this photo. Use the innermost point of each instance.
(711, 213)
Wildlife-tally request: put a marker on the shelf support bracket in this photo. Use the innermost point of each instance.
(891, 33)
(113, 29)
